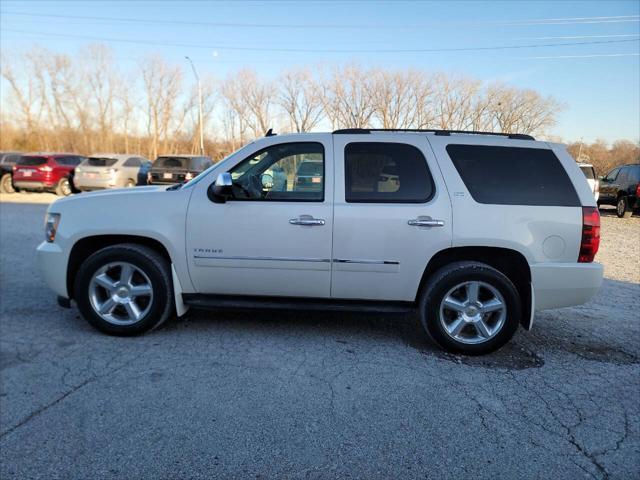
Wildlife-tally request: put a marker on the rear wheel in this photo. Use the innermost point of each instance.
(6, 186)
(63, 188)
(124, 289)
(130, 184)
(622, 211)
(470, 308)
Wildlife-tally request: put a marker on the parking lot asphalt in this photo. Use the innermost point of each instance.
(290, 395)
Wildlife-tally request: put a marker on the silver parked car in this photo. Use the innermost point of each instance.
(108, 170)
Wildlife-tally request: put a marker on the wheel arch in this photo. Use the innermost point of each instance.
(85, 247)
(510, 262)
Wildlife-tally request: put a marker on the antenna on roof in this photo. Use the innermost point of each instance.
(270, 133)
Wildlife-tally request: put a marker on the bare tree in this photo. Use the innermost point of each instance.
(347, 98)
(162, 84)
(300, 97)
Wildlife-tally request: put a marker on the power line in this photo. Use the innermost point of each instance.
(309, 50)
(549, 21)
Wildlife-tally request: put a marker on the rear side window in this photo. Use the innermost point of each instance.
(588, 172)
(634, 174)
(99, 162)
(132, 162)
(32, 161)
(513, 176)
(386, 173)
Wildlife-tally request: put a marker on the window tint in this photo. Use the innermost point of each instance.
(99, 162)
(513, 176)
(32, 161)
(623, 175)
(171, 162)
(132, 162)
(588, 172)
(611, 176)
(634, 174)
(69, 161)
(386, 173)
(284, 172)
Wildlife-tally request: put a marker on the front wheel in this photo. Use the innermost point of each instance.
(622, 211)
(6, 186)
(470, 308)
(124, 289)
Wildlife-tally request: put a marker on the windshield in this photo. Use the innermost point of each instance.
(32, 161)
(311, 169)
(99, 162)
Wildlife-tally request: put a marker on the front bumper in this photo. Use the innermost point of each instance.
(53, 267)
(558, 285)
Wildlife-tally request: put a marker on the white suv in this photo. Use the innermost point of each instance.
(474, 231)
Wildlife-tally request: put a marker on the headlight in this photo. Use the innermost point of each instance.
(51, 222)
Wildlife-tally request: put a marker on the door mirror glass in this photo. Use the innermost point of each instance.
(221, 190)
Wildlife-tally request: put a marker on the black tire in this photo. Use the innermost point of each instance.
(622, 209)
(6, 184)
(156, 268)
(447, 278)
(63, 188)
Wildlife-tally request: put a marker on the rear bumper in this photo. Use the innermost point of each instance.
(32, 184)
(93, 184)
(558, 285)
(53, 267)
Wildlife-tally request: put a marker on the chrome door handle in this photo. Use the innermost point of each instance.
(426, 222)
(306, 220)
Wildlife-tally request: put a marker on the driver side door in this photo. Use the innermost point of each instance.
(273, 237)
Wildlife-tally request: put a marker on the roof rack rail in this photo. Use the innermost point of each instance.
(514, 136)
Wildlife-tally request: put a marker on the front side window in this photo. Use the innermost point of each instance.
(284, 172)
(386, 173)
(611, 176)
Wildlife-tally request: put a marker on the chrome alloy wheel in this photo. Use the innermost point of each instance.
(120, 293)
(473, 312)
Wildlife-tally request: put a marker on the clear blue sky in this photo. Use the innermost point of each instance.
(599, 82)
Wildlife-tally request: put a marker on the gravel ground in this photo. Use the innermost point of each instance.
(266, 395)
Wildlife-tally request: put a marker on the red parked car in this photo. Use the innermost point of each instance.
(50, 172)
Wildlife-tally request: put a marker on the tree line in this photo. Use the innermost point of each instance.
(86, 104)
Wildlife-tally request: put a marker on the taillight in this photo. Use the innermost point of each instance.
(638, 190)
(46, 168)
(590, 234)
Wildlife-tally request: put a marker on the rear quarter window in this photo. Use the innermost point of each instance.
(513, 175)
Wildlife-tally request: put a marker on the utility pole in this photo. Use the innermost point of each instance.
(580, 151)
(200, 121)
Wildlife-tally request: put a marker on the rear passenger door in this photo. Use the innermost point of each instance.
(392, 213)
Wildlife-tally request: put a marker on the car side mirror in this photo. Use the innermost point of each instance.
(221, 190)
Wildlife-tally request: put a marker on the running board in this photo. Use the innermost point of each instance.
(224, 302)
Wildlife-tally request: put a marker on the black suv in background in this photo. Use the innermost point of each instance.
(7, 161)
(177, 168)
(621, 187)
